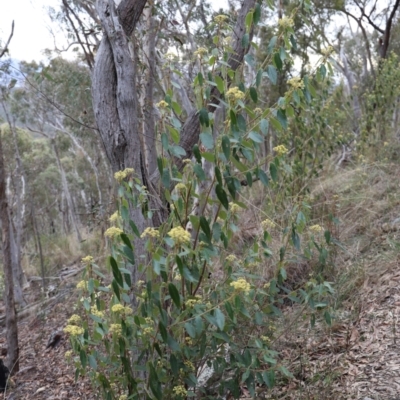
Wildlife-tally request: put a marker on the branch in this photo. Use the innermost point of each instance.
(129, 12)
(368, 17)
(8, 41)
(386, 40)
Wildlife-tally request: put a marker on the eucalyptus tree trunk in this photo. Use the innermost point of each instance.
(67, 193)
(11, 318)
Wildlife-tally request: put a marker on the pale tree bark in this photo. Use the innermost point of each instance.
(68, 197)
(115, 99)
(75, 141)
(11, 318)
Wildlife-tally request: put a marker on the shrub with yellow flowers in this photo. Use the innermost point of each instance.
(154, 322)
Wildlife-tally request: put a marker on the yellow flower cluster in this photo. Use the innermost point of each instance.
(296, 82)
(265, 339)
(257, 111)
(180, 391)
(162, 104)
(116, 329)
(201, 51)
(180, 187)
(68, 354)
(97, 312)
(170, 56)
(74, 330)
(231, 258)
(235, 94)
(316, 228)
(113, 231)
(191, 302)
(82, 285)
(267, 223)
(241, 285)
(179, 235)
(87, 260)
(114, 217)
(328, 51)
(74, 320)
(120, 309)
(123, 397)
(150, 232)
(234, 208)
(148, 331)
(220, 19)
(186, 161)
(121, 175)
(285, 22)
(189, 365)
(280, 150)
(188, 341)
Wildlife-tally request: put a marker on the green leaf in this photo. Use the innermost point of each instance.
(166, 178)
(245, 40)
(249, 20)
(190, 330)
(197, 154)
(253, 94)
(255, 137)
(272, 74)
(241, 123)
(92, 362)
(220, 84)
(177, 151)
(176, 107)
(155, 385)
(264, 126)
(207, 140)
(263, 177)
(126, 240)
(257, 14)
(222, 197)
(328, 318)
(278, 61)
(205, 227)
(269, 378)
(116, 272)
(200, 78)
(129, 254)
(272, 44)
(115, 288)
(226, 146)
(134, 228)
(163, 332)
(174, 293)
(164, 141)
(281, 116)
(198, 170)
(203, 116)
(83, 358)
(249, 179)
(218, 175)
(219, 319)
(293, 42)
(259, 77)
(274, 172)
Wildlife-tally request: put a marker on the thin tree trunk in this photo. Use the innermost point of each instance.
(11, 319)
(67, 193)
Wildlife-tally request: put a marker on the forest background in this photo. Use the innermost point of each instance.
(210, 152)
